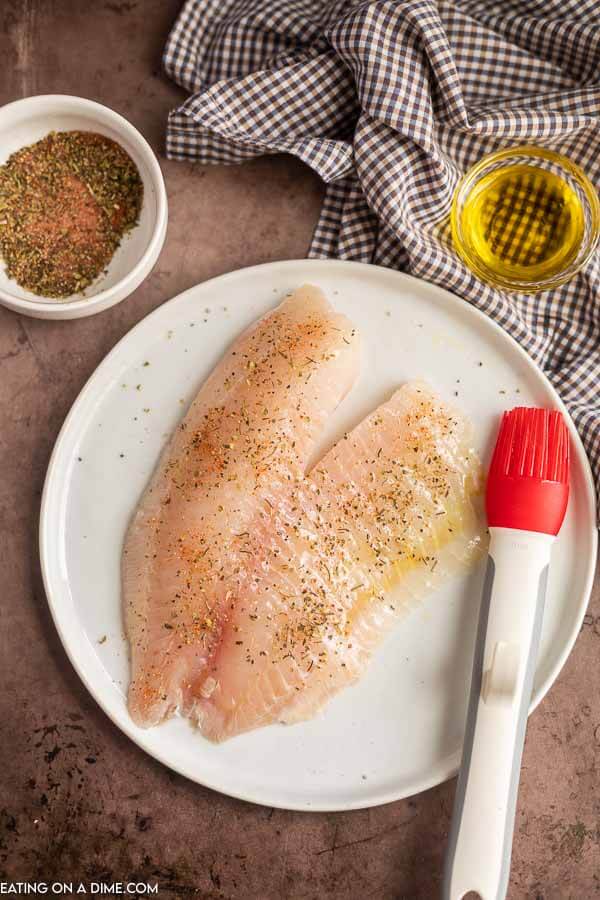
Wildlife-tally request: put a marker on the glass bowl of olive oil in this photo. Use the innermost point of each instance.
(525, 219)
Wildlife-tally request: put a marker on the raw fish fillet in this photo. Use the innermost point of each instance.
(253, 591)
(396, 506)
(244, 441)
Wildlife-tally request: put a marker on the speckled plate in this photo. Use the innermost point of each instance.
(399, 731)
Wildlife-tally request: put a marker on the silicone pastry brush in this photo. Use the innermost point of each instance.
(526, 499)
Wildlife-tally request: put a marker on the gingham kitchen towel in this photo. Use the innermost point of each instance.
(390, 101)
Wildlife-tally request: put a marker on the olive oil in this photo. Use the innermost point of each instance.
(522, 222)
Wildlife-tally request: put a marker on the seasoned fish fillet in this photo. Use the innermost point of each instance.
(397, 508)
(253, 591)
(244, 441)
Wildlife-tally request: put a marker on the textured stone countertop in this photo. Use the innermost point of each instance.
(78, 800)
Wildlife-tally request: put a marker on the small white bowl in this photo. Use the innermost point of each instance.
(26, 121)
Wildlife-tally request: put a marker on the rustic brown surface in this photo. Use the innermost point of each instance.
(77, 799)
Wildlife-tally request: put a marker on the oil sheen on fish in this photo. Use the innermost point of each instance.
(253, 590)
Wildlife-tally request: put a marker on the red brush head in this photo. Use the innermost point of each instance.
(528, 481)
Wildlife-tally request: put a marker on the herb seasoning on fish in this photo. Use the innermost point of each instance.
(65, 204)
(255, 584)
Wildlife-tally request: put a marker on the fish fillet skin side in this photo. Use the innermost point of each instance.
(188, 569)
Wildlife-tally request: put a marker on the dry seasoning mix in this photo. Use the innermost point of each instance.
(65, 204)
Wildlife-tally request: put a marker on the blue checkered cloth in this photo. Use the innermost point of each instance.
(390, 101)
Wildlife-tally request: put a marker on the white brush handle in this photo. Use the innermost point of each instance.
(510, 621)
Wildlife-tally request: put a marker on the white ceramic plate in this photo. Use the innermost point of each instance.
(399, 731)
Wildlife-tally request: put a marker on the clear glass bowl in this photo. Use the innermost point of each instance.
(525, 219)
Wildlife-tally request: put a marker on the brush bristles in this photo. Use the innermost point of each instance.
(532, 443)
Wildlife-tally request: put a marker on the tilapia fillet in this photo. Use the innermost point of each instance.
(253, 590)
